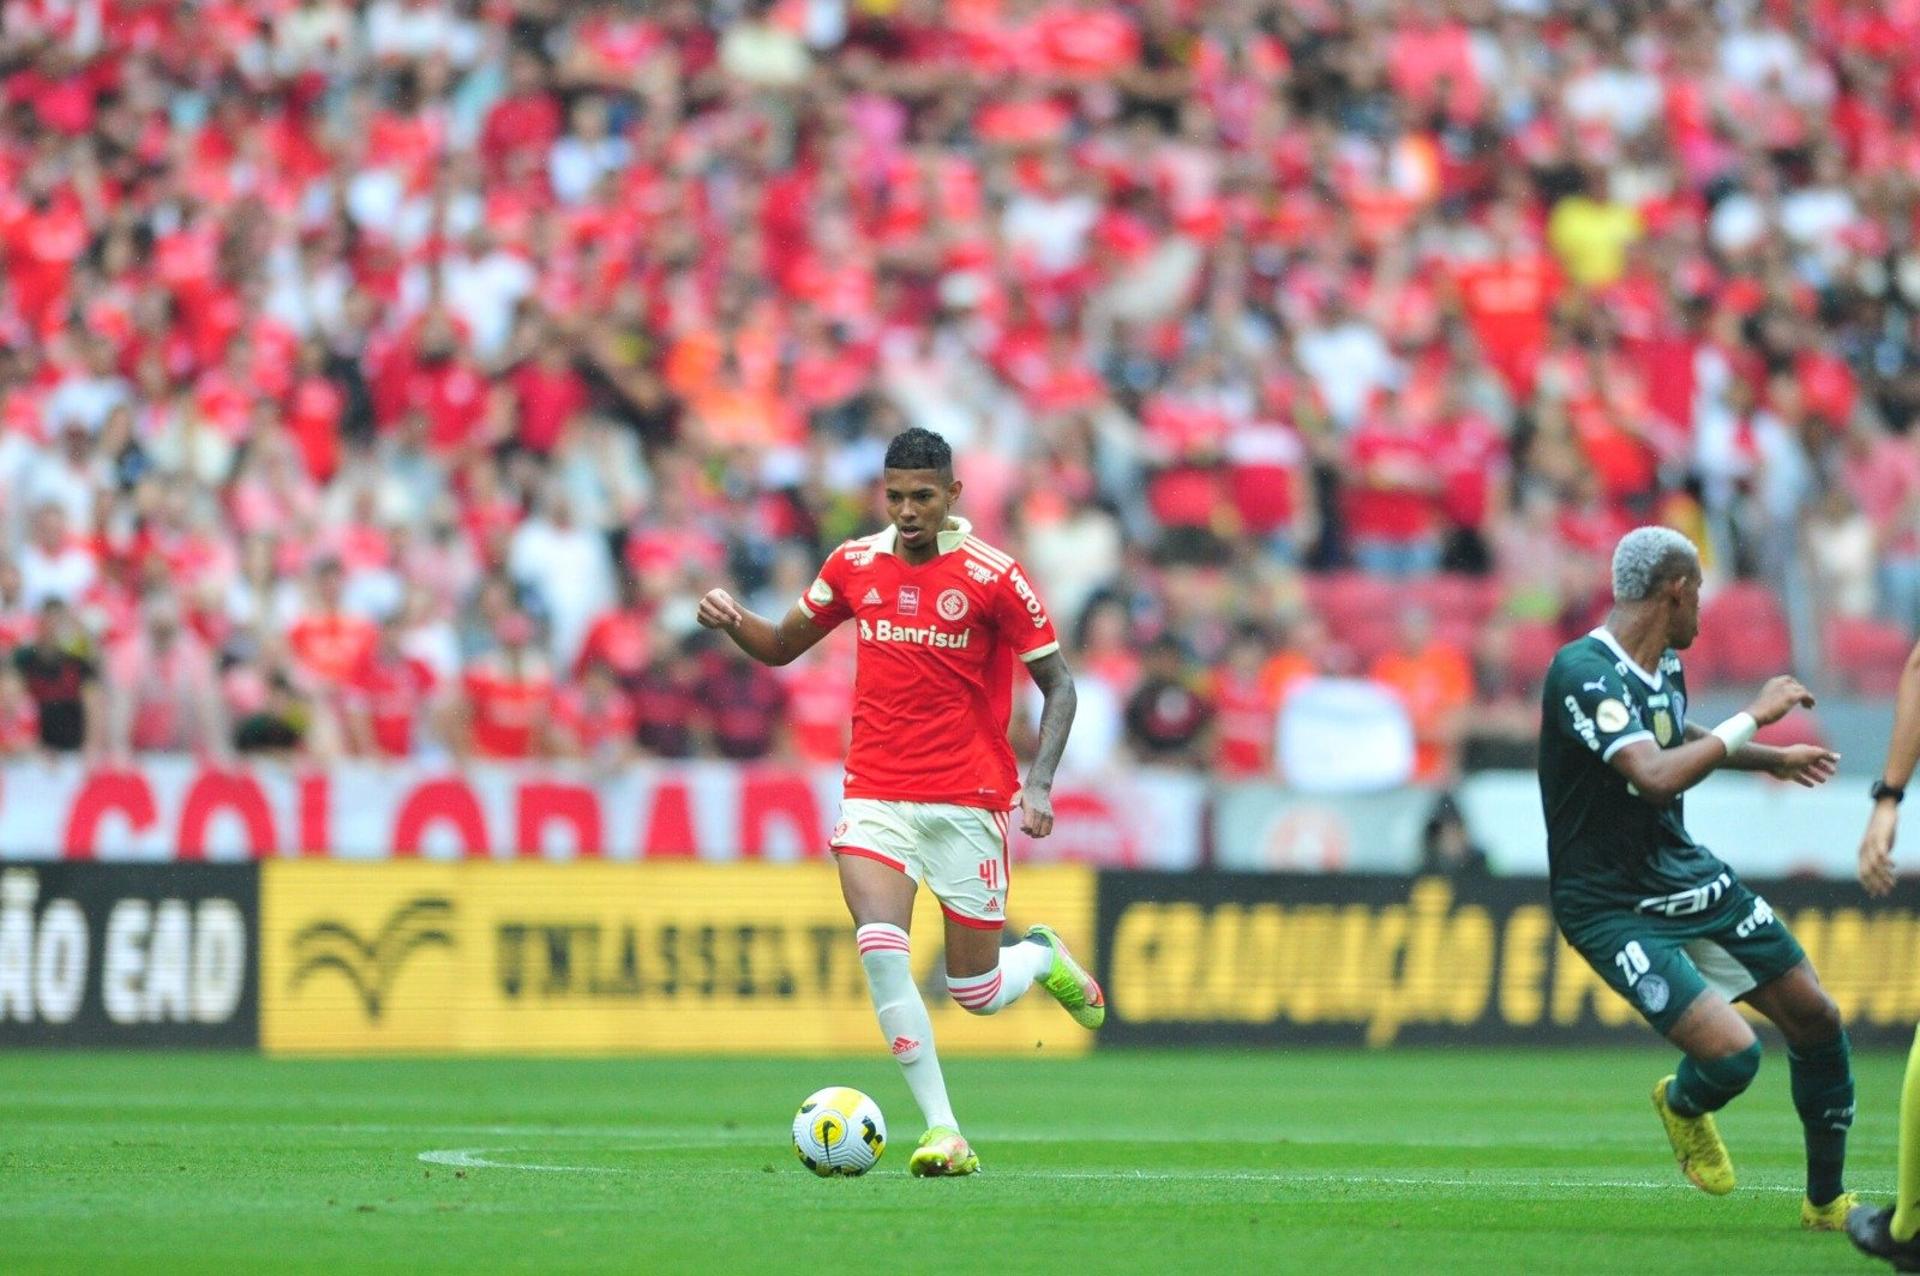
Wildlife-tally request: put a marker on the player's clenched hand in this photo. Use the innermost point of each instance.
(1806, 764)
(1036, 812)
(1876, 849)
(719, 611)
(1778, 698)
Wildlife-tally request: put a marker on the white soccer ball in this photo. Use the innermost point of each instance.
(839, 1131)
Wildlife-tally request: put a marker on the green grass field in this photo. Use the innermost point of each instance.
(1307, 1161)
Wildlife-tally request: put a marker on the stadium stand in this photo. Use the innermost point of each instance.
(377, 377)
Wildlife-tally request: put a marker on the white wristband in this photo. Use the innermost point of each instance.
(1737, 732)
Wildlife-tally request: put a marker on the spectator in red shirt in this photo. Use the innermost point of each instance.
(386, 706)
(315, 411)
(595, 718)
(526, 122)
(619, 638)
(330, 645)
(1471, 455)
(1392, 503)
(550, 392)
(1246, 708)
(1506, 299)
(506, 709)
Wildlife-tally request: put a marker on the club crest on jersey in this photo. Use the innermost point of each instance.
(952, 604)
(910, 600)
(1663, 727)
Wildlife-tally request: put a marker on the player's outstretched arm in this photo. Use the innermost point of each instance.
(1903, 753)
(1058, 701)
(1807, 765)
(1661, 775)
(754, 634)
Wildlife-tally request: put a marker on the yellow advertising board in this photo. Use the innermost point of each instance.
(543, 958)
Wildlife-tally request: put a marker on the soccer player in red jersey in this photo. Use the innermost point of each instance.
(931, 781)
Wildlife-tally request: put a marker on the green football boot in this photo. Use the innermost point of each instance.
(943, 1153)
(1069, 982)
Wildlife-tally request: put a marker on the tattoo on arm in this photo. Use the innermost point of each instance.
(1056, 716)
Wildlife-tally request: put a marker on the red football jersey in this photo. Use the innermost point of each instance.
(933, 680)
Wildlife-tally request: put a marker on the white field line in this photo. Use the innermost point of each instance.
(485, 1159)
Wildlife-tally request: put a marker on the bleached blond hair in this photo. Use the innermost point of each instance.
(1647, 558)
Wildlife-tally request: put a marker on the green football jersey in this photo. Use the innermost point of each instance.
(1606, 846)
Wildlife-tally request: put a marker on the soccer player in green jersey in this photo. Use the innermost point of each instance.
(1892, 1231)
(1662, 919)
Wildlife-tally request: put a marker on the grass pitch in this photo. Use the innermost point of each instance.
(1217, 1163)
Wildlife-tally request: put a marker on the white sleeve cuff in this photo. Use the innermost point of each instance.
(1623, 742)
(808, 608)
(1045, 650)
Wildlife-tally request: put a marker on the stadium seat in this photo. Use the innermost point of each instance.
(1532, 646)
(1702, 661)
(1867, 656)
(1469, 599)
(1744, 636)
(1368, 637)
(1344, 599)
(1456, 632)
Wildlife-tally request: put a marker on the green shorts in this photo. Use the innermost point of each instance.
(1660, 962)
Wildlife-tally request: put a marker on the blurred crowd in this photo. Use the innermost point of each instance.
(389, 378)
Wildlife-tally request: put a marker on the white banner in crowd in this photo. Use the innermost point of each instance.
(175, 808)
(1260, 828)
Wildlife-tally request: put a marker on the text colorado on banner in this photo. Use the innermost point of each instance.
(1294, 958)
(167, 808)
(681, 958)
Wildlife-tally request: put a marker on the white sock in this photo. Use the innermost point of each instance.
(903, 1018)
(1019, 966)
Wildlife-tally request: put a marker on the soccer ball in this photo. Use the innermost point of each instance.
(839, 1131)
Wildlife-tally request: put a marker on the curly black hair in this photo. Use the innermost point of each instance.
(920, 449)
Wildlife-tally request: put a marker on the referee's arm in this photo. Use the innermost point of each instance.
(1903, 752)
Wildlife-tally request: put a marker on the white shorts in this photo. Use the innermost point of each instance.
(959, 852)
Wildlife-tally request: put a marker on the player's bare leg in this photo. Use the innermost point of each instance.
(880, 897)
(983, 976)
(1722, 1058)
(1820, 1060)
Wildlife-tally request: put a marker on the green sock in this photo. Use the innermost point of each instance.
(1707, 1085)
(1823, 1095)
